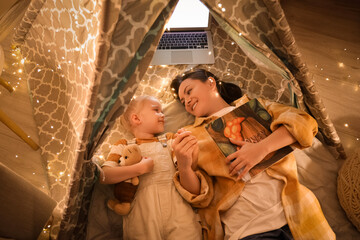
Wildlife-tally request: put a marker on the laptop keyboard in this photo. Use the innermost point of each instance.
(191, 40)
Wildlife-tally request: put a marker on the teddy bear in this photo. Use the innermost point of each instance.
(124, 191)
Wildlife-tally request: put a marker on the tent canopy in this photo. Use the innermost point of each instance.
(85, 60)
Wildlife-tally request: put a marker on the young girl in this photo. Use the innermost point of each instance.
(158, 211)
(272, 204)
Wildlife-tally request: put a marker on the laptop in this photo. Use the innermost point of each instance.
(187, 39)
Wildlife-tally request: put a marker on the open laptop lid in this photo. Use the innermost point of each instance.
(189, 15)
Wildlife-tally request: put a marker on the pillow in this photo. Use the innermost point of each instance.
(176, 116)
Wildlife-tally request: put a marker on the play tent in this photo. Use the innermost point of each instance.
(85, 60)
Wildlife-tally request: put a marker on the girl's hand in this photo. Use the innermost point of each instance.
(146, 165)
(186, 149)
(249, 154)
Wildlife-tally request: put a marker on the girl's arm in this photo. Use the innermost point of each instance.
(112, 175)
(251, 154)
(186, 148)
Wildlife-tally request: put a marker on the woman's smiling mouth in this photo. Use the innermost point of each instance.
(193, 106)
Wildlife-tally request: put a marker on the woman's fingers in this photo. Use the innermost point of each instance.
(185, 145)
(180, 136)
(234, 155)
(236, 165)
(182, 139)
(237, 142)
(189, 144)
(239, 166)
(241, 173)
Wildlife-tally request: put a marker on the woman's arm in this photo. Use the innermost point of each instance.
(186, 149)
(112, 175)
(251, 154)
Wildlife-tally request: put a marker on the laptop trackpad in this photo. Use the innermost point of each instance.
(181, 57)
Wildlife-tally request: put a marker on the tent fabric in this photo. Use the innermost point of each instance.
(264, 22)
(86, 59)
(69, 50)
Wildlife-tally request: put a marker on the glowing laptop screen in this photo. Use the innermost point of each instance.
(191, 14)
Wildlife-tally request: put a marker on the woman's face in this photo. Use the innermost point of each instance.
(196, 96)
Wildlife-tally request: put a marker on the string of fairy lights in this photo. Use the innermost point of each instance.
(17, 71)
(344, 77)
(15, 76)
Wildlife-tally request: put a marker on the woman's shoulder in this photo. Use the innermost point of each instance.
(240, 101)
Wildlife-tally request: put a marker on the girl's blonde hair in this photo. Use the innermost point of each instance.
(134, 106)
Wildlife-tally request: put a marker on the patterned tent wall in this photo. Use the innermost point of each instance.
(85, 60)
(61, 42)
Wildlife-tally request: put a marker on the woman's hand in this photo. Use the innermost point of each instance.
(249, 154)
(186, 149)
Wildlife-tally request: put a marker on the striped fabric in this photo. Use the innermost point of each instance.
(219, 190)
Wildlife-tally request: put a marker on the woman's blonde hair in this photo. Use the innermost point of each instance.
(134, 106)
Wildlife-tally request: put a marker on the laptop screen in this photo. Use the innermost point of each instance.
(189, 14)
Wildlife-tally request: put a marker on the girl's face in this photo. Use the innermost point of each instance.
(152, 117)
(196, 96)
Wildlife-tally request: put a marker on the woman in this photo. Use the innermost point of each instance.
(273, 204)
